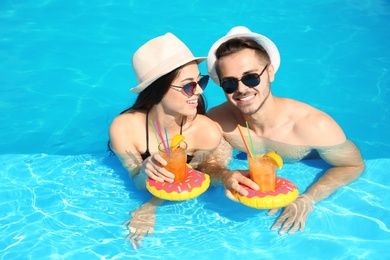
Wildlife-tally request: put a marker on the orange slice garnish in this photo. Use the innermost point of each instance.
(275, 159)
(177, 139)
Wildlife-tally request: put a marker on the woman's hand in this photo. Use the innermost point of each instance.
(153, 167)
(141, 222)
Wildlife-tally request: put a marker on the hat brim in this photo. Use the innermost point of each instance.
(266, 43)
(138, 89)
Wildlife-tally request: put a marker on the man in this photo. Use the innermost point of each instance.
(244, 64)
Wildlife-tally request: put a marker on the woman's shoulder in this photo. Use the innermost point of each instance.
(207, 130)
(128, 120)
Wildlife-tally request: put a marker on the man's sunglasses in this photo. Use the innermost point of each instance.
(251, 80)
(190, 88)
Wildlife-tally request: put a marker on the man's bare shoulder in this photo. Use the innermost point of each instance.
(218, 111)
(225, 115)
(313, 124)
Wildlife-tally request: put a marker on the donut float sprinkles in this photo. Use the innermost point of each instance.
(194, 184)
(284, 193)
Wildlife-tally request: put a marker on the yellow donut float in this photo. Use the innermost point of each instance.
(192, 186)
(284, 193)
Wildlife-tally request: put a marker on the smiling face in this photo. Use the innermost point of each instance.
(176, 101)
(248, 100)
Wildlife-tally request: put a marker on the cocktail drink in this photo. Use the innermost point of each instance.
(262, 172)
(176, 158)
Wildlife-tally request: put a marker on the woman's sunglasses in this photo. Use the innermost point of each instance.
(190, 88)
(251, 80)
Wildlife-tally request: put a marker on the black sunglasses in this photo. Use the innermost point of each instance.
(190, 88)
(251, 80)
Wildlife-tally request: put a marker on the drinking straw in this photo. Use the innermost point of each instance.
(166, 138)
(250, 137)
(155, 131)
(161, 137)
(246, 144)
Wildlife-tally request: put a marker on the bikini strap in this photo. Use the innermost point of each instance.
(181, 125)
(147, 131)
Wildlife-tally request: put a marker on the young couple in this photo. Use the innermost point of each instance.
(243, 64)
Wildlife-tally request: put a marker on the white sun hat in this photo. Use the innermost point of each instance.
(242, 31)
(158, 57)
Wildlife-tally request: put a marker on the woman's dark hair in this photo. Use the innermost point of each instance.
(238, 44)
(154, 93)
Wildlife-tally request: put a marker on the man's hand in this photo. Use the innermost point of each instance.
(232, 181)
(294, 215)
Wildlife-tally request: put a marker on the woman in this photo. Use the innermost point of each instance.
(170, 93)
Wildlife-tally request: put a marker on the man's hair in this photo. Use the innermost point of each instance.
(238, 44)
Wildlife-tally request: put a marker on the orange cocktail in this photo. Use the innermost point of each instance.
(176, 160)
(262, 172)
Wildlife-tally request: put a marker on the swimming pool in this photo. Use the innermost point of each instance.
(65, 73)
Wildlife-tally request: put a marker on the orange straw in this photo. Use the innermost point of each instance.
(250, 137)
(246, 144)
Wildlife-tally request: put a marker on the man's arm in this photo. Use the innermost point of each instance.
(329, 140)
(216, 165)
(348, 166)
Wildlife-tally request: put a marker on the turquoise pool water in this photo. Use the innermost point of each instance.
(65, 73)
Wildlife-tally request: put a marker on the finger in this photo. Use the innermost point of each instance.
(133, 245)
(166, 175)
(237, 187)
(301, 217)
(126, 222)
(150, 171)
(248, 182)
(158, 173)
(272, 212)
(294, 228)
(155, 177)
(138, 240)
(279, 222)
(158, 160)
(287, 224)
(303, 221)
(135, 240)
(230, 195)
(139, 243)
(302, 225)
(158, 165)
(132, 232)
(150, 231)
(129, 236)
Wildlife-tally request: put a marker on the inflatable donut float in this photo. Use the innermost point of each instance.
(192, 186)
(284, 193)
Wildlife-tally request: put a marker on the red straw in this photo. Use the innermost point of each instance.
(246, 144)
